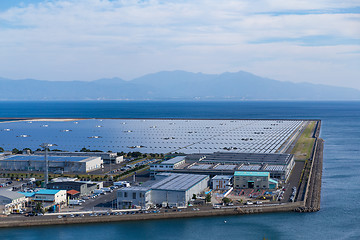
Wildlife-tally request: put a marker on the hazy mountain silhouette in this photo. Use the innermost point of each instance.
(176, 85)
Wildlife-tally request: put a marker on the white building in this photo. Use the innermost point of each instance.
(221, 182)
(107, 157)
(11, 201)
(169, 189)
(168, 164)
(50, 196)
(56, 163)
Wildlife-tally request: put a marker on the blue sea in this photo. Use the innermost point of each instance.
(340, 209)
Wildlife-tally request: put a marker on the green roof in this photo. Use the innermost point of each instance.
(252, 174)
(273, 181)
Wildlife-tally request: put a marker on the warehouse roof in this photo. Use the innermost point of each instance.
(178, 182)
(229, 157)
(252, 174)
(50, 158)
(10, 194)
(222, 177)
(27, 194)
(174, 160)
(48, 191)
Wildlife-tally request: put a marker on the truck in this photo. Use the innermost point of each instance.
(74, 202)
(99, 191)
(107, 189)
(122, 184)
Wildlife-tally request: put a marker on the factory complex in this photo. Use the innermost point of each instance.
(279, 166)
(200, 160)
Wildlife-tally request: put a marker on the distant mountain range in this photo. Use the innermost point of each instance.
(174, 85)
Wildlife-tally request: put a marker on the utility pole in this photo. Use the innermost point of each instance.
(46, 146)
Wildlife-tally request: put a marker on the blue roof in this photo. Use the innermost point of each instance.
(273, 181)
(252, 174)
(27, 194)
(47, 191)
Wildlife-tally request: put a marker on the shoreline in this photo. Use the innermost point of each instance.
(243, 210)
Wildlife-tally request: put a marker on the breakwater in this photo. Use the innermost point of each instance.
(310, 187)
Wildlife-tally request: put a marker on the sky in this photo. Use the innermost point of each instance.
(287, 40)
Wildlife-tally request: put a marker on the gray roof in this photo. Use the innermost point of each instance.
(50, 158)
(222, 177)
(174, 160)
(253, 158)
(178, 182)
(10, 194)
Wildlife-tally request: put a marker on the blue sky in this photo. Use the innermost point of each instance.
(297, 41)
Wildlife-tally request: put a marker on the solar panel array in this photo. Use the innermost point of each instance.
(151, 135)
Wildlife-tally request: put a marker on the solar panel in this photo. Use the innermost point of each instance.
(150, 135)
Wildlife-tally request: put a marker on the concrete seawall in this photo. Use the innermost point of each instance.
(42, 221)
(312, 193)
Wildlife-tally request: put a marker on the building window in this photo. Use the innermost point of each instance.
(134, 195)
(120, 194)
(125, 194)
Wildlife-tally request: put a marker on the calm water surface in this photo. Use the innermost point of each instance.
(339, 215)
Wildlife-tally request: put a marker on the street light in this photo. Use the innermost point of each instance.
(46, 146)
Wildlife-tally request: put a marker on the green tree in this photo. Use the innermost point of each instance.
(1, 149)
(15, 151)
(208, 197)
(194, 196)
(226, 200)
(39, 208)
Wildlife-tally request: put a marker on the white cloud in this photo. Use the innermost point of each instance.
(90, 39)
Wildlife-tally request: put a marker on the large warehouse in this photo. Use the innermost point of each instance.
(169, 189)
(107, 157)
(57, 164)
(226, 163)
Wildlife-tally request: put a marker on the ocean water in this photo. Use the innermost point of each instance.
(337, 219)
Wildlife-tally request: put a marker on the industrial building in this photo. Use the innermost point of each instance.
(221, 182)
(107, 157)
(227, 163)
(168, 164)
(11, 201)
(83, 188)
(50, 196)
(251, 180)
(57, 164)
(168, 189)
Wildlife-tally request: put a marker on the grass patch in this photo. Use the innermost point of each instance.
(304, 145)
